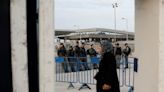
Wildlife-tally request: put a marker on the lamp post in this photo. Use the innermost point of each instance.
(126, 23)
(115, 5)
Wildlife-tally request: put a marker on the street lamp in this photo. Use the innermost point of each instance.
(78, 31)
(126, 23)
(115, 5)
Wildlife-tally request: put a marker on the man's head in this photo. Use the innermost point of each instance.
(126, 44)
(117, 44)
(61, 45)
(77, 43)
(82, 44)
(91, 45)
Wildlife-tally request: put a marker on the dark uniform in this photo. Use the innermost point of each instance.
(107, 73)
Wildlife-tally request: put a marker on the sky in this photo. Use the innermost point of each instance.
(79, 14)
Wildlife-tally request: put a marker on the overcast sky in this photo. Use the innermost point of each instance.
(93, 14)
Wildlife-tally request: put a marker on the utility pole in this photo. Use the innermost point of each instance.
(115, 5)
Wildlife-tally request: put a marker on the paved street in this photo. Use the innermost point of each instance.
(62, 87)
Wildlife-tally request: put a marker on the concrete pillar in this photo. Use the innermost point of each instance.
(149, 43)
(161, 46)
(46, 46)
(19, 46)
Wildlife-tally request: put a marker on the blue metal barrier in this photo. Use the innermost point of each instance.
(130, 73)
(59, 59)
(63, 73)
(95, 60)
(77, 70)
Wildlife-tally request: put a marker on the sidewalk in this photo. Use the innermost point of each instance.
(62, 87)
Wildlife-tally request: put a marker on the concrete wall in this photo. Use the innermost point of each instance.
(161, 46)
(46, 46)
(147, 45)
(19, 46)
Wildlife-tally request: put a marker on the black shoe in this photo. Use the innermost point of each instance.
(118, 67)
(95, 68)
(66, 71)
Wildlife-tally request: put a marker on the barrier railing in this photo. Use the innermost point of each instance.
(83, 69)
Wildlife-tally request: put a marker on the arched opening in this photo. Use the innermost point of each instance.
(90, 22)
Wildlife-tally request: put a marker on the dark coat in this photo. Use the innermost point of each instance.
(83, 54)
(127, 51)
(91, 52)
(71, 53)
(107, 73)
(61, 52)
(77, 50)
(118, 51)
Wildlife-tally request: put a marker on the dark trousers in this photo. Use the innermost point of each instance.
(73, 64)
(126, 61)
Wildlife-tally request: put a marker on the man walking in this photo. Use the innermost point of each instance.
(126, 53)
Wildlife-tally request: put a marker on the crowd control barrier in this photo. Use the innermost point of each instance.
(82, 70)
